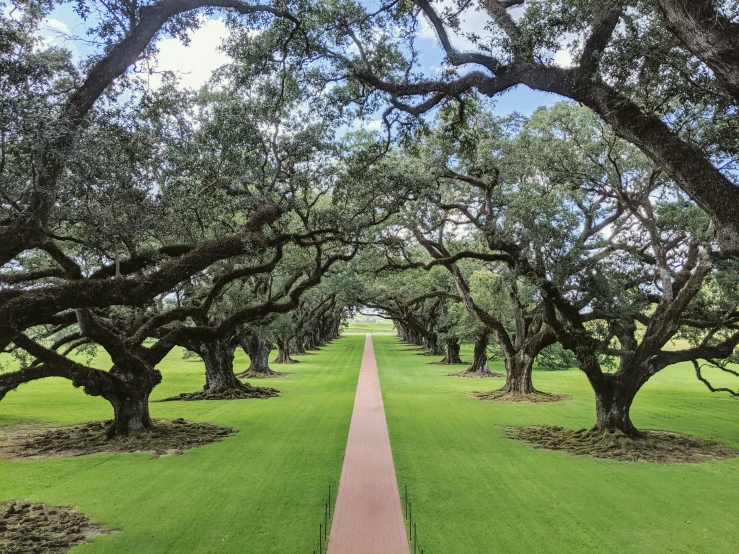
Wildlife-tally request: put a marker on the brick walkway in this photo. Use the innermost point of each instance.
(368, 518)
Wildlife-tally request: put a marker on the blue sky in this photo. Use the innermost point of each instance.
(195, 63)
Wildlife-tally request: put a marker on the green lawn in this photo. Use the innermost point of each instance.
(473, 490)
(261, 490)
(370, 328)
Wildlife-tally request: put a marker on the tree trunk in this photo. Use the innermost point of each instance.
(431, 345)
(708, 34)
(258, 348)
(480, 357)
(310, 342)
(518, 374)
(296, 346)
(613, 399)
(131, 411)
(452, 354)
(283, 354)
(218, 357)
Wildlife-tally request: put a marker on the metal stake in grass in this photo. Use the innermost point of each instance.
(415, 539)
(410, 520)
(325, 522)
(320, 538)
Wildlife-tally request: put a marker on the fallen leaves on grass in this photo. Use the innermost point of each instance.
(164, 438)
(26, 527)
(652, 446)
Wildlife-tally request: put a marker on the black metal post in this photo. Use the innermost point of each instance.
(410, 520)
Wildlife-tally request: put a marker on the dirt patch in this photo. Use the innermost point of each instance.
(653, 446)
(269, 374)
(532, 398)
(232, 394)
(475, 374)
(26, 527)
(166, 437)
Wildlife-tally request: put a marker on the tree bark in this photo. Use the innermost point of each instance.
(256, 345)
(708, 35)
(431, 345)
(452, 354)
(296, 346)
(131, 412)
(614, 395)
(518, 374)
(480, 357)
(218, 357)
(283, 354)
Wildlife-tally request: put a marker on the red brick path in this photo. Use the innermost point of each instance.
(368, 518)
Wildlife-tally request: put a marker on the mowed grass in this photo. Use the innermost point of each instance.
(370, 328)
(475, 491)
(262, 490)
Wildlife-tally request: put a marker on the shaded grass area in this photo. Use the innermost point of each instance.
(260, 490)
(476, 491)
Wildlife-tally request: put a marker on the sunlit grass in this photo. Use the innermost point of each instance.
(261, 490)
(475, 491)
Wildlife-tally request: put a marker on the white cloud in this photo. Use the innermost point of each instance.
(56, 33)
(195, 62)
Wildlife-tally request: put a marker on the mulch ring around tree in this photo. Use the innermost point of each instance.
(166, 437)
(654, 446)
(26, 527)
(532, 398)
(475, 374)
(243, 393)
(269, 374)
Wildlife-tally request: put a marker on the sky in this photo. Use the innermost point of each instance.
(194, 63)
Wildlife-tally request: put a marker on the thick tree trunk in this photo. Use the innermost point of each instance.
(480, 357)
(296, 346)
(452, 354)
(218, 357)
(708, 34)
(283, 354)
(311, 343)
(258, 348)
(431, 345)
(131, 411)
(613, 398)
(518, 374)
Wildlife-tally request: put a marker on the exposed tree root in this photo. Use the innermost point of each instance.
(476, 374)
(505, 396)
(164, 438)
(652, 446)
(28, 528)
(444, 362)
(269, 374)
(242, 392)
